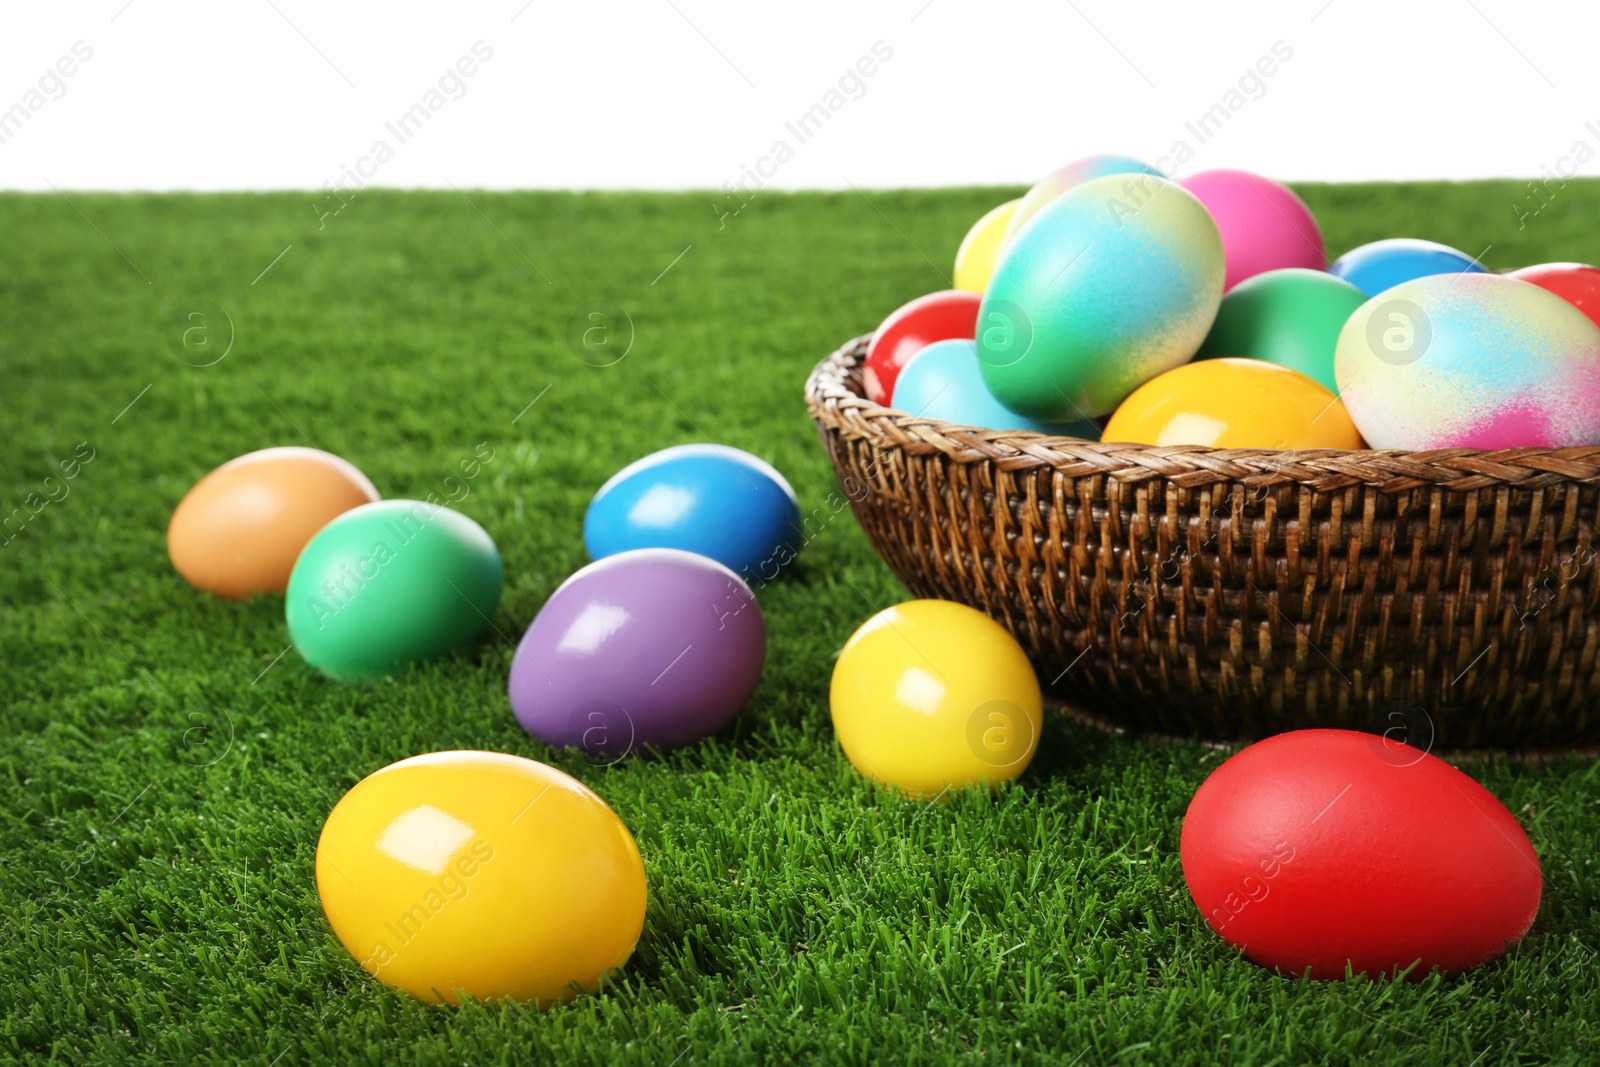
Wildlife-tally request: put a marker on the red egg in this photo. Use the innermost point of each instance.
(935, 317)
(1320, 848)
(1576, 283)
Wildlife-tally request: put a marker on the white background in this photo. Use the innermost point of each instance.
(257, 94)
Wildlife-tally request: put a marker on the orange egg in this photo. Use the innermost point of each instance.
(1233, 403)
(240, 529)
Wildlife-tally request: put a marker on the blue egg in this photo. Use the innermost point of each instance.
(1381, 265)
(710, 499)
(944, 381)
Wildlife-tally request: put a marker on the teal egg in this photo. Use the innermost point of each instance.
(1112, 283)
(388, 584)
(943, 382)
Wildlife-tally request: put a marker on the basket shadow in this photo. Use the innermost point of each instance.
(1075, 740)
(1068, 745)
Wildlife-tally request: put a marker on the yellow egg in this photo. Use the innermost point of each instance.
(481, 874)
(1233, 403)
(930, 694)
(980, 248)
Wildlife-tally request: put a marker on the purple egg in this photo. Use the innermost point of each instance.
(655, 646)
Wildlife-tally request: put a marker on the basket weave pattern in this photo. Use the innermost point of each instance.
(1238, 593)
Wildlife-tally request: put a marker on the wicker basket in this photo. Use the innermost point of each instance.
(1446, 596)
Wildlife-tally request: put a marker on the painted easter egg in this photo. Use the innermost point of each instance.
(1071, 176)
(1233, 403)
(650, 647)
(241, 527)
(1264, 225)
(943, 382)
(388, 584)
(1576, 283)
(1321, 850)
(1382, 265)
(481, 875)
(980, 249)
(714, 500)
(1104, 290)
(930, 695)
(1291, 317)
(1471, 361)
(908, 330)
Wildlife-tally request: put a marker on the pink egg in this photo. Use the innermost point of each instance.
(1264, 225)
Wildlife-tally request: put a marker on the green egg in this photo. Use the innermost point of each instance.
(388, 584)
(1291, 317)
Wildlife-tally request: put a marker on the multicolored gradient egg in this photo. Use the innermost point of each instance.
(943, 382)
(979, 250)
(1290, 317)
(1233, 403)
(1070, 177)
(1471, 361)
(1114, 282)
(1264, 225)
(1382, 265)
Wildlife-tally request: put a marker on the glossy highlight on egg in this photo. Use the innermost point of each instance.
(910, 328)
(1233, 403)
(484, 875)
(241, 527)
(712, 499)
(931, 695)
(389, 584)
(653, 646)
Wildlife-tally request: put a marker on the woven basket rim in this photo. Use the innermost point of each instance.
(835, 402)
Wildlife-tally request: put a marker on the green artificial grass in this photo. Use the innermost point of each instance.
(168, 766)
